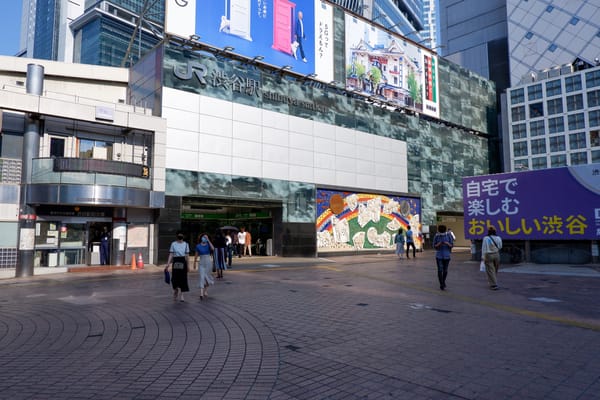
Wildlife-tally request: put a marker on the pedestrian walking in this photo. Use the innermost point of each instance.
(399, 240)
(241, 239)
(220, 246)
(442, 243)
(490, 255)
(203, 251)
(229, 245)
(248, 244)
(178, 261)
(410, 242)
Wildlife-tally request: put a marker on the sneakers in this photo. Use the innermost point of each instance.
(495, 287)
(304, 60)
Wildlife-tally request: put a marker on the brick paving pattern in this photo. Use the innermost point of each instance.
(367, 327)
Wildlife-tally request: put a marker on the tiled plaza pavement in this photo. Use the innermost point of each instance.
(363, 327)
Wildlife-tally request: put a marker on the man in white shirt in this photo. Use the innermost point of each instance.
(241, 241)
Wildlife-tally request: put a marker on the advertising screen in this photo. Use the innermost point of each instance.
(549, 204)
(298, 33)
(390, 68)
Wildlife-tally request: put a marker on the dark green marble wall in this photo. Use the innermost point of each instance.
(439, 154)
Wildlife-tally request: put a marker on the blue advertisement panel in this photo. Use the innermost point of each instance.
(297, 33)
(361, 221)
(549, 204)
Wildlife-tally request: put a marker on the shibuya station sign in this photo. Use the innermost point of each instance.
(549, 204)
(197, 72)
(298, 33)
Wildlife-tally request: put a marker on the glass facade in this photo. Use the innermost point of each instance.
(47, 20)
(104, 41)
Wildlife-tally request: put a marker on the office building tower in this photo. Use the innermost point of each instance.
(95, 32)
(400, 16)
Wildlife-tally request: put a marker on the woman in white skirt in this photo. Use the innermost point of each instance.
(204, 249)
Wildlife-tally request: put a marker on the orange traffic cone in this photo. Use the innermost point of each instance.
(133, 261)
(140, 262)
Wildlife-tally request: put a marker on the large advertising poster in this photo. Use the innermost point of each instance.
(549, 204)
(390, 68)
(361, 221)
(297, 33)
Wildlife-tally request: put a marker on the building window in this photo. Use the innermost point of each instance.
(536, 110)
(520, 149)
(534, 92)
(576, 121)
(574, 102)
(528, 35)
(536, 128)
(595, 138)
(556, 125)
(573, 83)
(519, 131)
(578, 158)
(518, 113)
(549, 9)
(559, 160)
(95, 149)
(552, 48)
(517, 96)
(557, 143)
(592, 79)
(594, 118)
(596, 156)
(539, 163)
(538, 146)
(521, 165)
(577, 141)
(553, 88)
(593, 98)
(574, 21)
(554, 106)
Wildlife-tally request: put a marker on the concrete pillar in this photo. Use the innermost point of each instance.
(31, 150)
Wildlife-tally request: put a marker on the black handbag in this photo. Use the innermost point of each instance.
(167, 276)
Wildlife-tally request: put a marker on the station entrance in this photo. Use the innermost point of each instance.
(207, 215)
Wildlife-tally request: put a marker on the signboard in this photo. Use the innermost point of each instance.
(390, 68)
(297, 34)
(556, 203)
(358, 221)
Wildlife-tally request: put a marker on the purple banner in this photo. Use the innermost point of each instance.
(549, 204)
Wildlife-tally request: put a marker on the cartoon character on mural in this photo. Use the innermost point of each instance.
(362, 221)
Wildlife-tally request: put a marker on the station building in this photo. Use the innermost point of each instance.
(308, 166)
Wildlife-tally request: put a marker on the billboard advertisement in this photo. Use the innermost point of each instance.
(297, 33)
(390, 68)
(361, 221)
(549, 204)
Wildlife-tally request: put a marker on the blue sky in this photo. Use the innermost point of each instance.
(10, 26)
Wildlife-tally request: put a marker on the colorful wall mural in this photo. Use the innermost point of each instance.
(364, 221)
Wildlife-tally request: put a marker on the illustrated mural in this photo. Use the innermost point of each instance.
(363, 221)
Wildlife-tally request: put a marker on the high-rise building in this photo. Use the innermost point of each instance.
(95, 32)
(401, 16)
(507, 40)
(431, 32)
(517, 44)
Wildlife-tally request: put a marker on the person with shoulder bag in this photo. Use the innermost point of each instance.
(490, 255)
(178, 260)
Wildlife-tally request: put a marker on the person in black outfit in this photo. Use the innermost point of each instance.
(104, 246)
